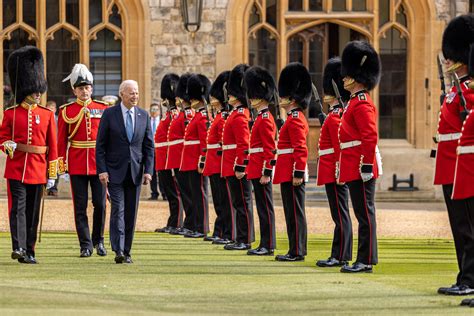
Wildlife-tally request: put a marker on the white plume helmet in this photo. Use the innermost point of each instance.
(79, 71)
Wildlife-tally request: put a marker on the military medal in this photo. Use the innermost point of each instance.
(450, 97)
(37, 119)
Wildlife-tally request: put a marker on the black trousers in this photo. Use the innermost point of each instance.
(362, 196)
(293, 198)
(460, 226)
(186, 198)
(198, 185)
(124, 198)
(155, 183)
(266, 213)
(170, 186)
(467, 277)
(241, 195)
(224, 224)
(338, 197)
(24, 202)
(80, 191)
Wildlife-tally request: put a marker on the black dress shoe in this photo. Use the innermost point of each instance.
(128, 259)
(289, 257)
(100, 249)
(85, 253)
(443, 290)
(331, 262)
(237, 246)
(194, 235)
(28, 259)
(222, 241)
(119, 257)
(357, 267)
(461, 290)
(18, 253)
(467, 302)
(153, 198)
(180, 231)
(165, 229)
(211, 238)
(260, 251)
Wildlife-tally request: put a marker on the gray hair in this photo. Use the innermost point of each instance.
(127, 83)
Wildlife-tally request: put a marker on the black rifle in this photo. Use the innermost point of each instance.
(465, 112)
(337, 93)
(441, 79)
(321, 114)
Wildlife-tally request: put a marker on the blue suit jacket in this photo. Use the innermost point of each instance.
(114, 152)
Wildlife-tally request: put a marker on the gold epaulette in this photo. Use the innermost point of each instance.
(101, 102)
(64, 105)
(11, 107)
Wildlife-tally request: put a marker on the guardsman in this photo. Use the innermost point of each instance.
(358, 163)
(165, 176)
(224, 228)
(28, 137)
(193, 157)
(78, 123)
(294, 88)
(235, 146)
(175, 151)
(261, 92)
(450, 126)
(328, 152)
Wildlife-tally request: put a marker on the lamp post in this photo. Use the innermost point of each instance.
(191, 11)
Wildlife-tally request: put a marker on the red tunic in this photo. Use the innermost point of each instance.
(214, 137)
(262, 146)
(194, 141)
(464, 172)
(449, 124)
(358, 124)
(35, 126)
(78, 124)
(161, 140)
(176, 138)
(329, 149)
(292, 150)
(235, 141)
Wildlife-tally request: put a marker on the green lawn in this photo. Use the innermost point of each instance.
(174, 275)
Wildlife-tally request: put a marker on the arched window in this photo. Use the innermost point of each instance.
(85, 31)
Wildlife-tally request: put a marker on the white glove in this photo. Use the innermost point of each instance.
(50, 184)
(366, 176)
(65, 177)
(9, 147)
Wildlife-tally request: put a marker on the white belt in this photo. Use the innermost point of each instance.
(255, 150)
(191, 142)
(163, 144)
(213, 146)
(285, 151)
(231, 146)
(447, 137)
(353, 143)
(465, 150)
(175, 142)
(324, 152)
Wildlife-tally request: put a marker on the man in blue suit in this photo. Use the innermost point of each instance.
(124, 157)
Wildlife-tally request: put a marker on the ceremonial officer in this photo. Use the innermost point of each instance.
(28, 137)
(193, 157)
(358, 141)
(165, 176)
(175, 151)
(78, 123)
(224, 228)
(328, 151)
(294, 88)
(235, 145)
(452, 114)
(261, 91)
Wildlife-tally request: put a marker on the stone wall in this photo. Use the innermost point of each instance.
(447, 9)
(175, 50)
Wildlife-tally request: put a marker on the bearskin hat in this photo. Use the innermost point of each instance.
(168, 87)
(457, 37)
(28, 63)
(198, 87)
(361, 62)
(182, 88)
(235, 85)
(295, 83)
(259, 84)
(332, 71)
(219, 87)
